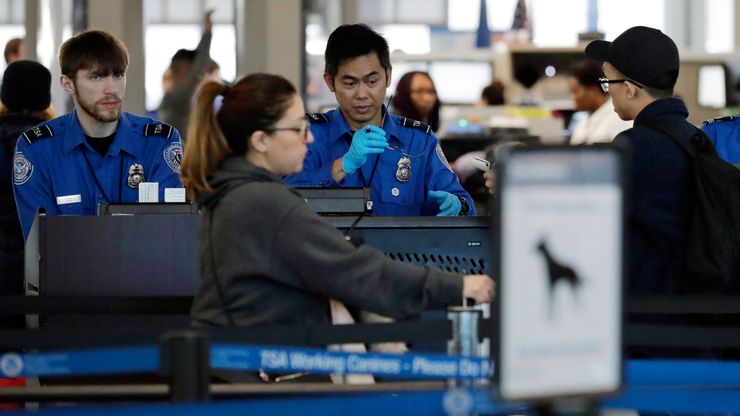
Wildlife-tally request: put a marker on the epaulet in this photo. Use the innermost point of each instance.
(725, 118)
(317, 117)
(38, 132)
(415, 124)
(159, 129)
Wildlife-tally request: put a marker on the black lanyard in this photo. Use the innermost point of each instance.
(97, 182)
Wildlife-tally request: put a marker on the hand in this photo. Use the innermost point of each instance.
(449, 204)
(490, 177)
(478, 287)
(207, 21)
(367, 140)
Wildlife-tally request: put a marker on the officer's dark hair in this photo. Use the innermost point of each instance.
(255, 102)
(587, 72)
(403, 105)
(181, 60)
(350, 41)
(93, 50)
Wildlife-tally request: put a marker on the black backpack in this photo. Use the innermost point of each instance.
(713, 255)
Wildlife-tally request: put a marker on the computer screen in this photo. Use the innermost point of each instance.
(460, 82)
(711, 89)
(559, 266)
(402, 68)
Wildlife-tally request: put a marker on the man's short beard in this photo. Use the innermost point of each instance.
(103, 116)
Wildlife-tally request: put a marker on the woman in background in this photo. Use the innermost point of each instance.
(416, 98)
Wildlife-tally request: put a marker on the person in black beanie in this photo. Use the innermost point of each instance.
(24, 102)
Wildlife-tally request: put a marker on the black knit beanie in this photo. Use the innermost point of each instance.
(26, 87)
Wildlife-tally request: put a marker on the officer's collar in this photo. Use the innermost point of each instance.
(340, 128)
(76, 136)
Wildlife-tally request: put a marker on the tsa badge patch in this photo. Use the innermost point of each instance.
(22, 169)
(173, 156)
(135, 175)
(403, 170)
(442, 157)
(11, 365)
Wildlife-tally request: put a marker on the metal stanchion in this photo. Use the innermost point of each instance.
(465, 340)
(185, 358)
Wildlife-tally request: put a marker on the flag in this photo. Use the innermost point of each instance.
(520, 16)
(483, 36)
(593, 16)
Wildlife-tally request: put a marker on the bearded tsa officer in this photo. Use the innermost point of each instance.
(360, 144)
(96, 154)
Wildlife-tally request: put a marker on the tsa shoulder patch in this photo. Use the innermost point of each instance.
(159, 129)
(37, 132)
(725, 118)
(22, 169)
(441, 156)
(415, 124)
(173, 156)
(317, 117)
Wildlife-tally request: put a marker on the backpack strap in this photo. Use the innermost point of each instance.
(697, 141)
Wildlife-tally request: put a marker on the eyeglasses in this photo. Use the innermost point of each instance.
(428, 91)
(303, 130)
(604, 82)
(407, 154)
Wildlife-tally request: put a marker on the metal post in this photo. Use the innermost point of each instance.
(185, 357)
(465, 340)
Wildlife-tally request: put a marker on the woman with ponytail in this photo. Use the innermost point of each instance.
(265, 257)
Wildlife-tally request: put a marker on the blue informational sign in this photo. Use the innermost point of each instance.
(311, 360)
(88, 362)
(248, 358)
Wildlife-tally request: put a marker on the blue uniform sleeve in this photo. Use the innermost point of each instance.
(711, 131)
(440, 177)
(314, 173)
(726, 138)
(32, 186)
(166, 169)
(317, 165)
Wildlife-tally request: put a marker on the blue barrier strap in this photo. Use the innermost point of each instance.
(678, 400)
(88, 362)
(295, 360)
(682, 372)
(425, 403)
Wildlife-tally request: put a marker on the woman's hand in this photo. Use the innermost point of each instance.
(479, 287)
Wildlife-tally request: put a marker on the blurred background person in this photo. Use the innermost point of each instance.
(187, 70)
(492, 94)
(599, 123)
(416, 98)
(14, 50)
(25, 100)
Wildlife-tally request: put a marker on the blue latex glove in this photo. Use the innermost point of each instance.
(366, 141)
(449, 204)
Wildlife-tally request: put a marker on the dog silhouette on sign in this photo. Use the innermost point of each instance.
(557, 272)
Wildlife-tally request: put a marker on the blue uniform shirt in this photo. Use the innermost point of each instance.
(725, 133)
(56, 169)
(391, 196)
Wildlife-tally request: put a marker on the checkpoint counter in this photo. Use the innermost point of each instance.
(156, 255)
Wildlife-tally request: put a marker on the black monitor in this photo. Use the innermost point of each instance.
(454, 244)
(337, 201)
(148, 208)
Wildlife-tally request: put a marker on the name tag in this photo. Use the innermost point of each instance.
(69, 199)
(174, 194)
(149, 192)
